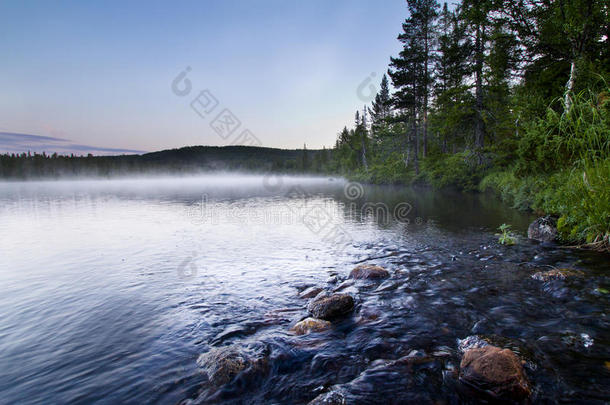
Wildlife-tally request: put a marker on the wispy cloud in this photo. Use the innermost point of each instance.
(11, 142)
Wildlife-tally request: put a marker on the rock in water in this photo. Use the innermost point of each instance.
(471, 342)
(222, 364)
(543, 229)
(329, 398)
(310, 325)
(331, 307)
(495, 371)
(368, 271)
(556, 274)
(310, 292)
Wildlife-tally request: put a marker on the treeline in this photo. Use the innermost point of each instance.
(175, 161)
(507, 95)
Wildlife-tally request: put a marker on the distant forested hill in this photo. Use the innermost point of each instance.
(191, 159)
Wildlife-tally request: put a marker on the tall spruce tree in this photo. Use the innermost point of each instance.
(406, 71)
(382, 105)
(476, 15)
(450, 71)
(424, 14)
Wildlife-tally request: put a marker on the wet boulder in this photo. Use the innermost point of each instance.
(543, 229)
(223, 364)
(369, 272)
(309, 325)
(332, 306)
(556, 274)
(310, 292)
(494, 371)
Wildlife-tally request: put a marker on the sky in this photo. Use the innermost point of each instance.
(107, 75)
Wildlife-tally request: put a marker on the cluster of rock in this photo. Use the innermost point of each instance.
(488, 369)
(326, 307)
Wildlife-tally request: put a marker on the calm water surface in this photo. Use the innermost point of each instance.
(111, 289)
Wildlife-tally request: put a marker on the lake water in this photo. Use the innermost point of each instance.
(111, 289)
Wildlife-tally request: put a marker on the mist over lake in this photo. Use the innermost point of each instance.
(113, 289)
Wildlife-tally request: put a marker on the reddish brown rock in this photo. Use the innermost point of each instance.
(495, 371)
(368, 271)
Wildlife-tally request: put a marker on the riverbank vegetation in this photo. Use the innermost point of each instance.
(506, 96)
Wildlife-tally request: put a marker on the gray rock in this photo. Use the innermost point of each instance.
(543, 229)
(330, 307)
(556, 274)
(223, 364)
(344, 285)
(310, 292)
(471, 342)
(329, 398)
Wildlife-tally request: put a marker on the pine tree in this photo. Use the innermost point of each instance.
(476, 15)
(361, 134)
(424, 14)
(381, 106)
(410, 76)
(305, 159)
(450, 68)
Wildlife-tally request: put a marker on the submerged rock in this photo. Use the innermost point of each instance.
(543, 229)
(494, 371)
(329, 398)
(309, 325)
(310, 292)
(411, 379)
(222, 364)
(556, 274)
(471, 342)
(344, 285)
(368, 271)
(330, 307)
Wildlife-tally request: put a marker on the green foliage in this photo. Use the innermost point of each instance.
(390, 170)
(579, 197)
(506, 236)
(559, 139)
(460, 170)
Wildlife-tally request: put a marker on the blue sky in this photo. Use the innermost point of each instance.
(100, 73)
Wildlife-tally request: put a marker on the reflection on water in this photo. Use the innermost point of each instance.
(111, 290)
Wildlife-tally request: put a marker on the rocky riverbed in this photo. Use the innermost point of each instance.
(496, 362)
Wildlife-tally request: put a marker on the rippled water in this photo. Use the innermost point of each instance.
(112, 289)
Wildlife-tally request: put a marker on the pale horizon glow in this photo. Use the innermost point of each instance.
(100, 75)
